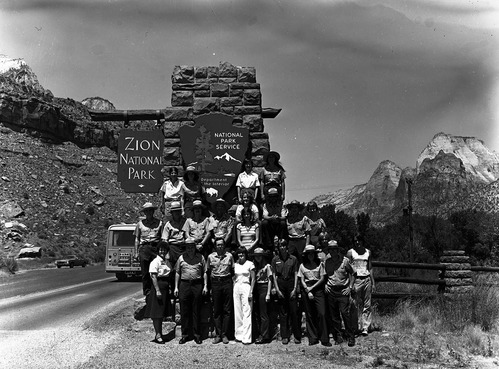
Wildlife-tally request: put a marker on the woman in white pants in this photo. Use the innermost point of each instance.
(244, 281)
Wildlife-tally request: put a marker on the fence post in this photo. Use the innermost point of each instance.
(457, 275)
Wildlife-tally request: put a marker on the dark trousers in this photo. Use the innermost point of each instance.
(260, 311)
(296, 247)
(222, 305)
(272, 228)
(190, 297)
(288, 310)
(339, 308)
(315, 314)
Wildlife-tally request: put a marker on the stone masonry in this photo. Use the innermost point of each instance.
(458, 274)
(226, 89)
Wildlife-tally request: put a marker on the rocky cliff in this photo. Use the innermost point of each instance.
(452, 173)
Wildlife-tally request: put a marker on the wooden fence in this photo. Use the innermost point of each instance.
(455, 275)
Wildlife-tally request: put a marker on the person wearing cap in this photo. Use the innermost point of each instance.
(220, 266)
(172, 190)
(221, 222)
(360, 258)
(298, 229)
(312, 275)
(244, 283)
(261, 295)
(158, 301)
(173, 234)
(339, 288)
(147, 237)
(196, 190)
(317, 224)
(198, 227)
(272, 175)
(273, 219)
(191, 283)
(285, 268)
(247, 180)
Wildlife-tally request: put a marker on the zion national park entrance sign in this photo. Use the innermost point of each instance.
(214, 123)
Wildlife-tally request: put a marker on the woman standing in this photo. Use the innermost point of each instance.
(298, 229)
(158, 301)
(244, 282)
(147, 236)
(173, 234)
(272, 175)
(312, 276)
(263, 276)
(173, 189)
(191, 282)
(317, 224)
(360, 258)
(196, 190)
(247, 181)
(248, 231)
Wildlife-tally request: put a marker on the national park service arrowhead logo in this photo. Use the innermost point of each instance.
(217, 149)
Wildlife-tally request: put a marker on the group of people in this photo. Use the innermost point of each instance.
(261, 264)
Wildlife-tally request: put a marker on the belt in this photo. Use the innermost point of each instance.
(192, 281)
(363, 276)
(163, 278)
(220, 279)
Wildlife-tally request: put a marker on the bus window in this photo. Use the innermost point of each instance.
(123, 238)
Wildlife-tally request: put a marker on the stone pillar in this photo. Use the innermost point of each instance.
(226, 89)
(458, 275)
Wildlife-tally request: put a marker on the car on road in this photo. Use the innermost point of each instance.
(71, 261)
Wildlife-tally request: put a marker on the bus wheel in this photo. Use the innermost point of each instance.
(121, 276)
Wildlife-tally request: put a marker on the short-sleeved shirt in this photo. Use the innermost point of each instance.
(316, 227)
(173, 191)
(223, 226)
(285, 269)
(245, 180)
(311, 275)
(263, 275)
(254, 210)
(298, 229)
(173, 233)
(191, 269)
(271, 178)
(279, 210)
(160, 266)
(197, 230)
(220, 265)
(339, 277)
(248, 234)
(242, 272)
(148, 233)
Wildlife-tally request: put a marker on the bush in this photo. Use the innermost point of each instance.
(10, 264)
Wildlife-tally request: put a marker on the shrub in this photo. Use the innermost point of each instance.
(10, 264)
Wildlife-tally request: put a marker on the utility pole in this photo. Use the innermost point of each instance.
(409, 210)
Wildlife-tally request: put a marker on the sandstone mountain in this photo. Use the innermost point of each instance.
(452, 173)
(58, 180)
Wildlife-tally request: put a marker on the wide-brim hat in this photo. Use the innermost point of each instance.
(259, 251)
(272, 153)
(272, 192)
(197, 204)
(223, 202)
(147, 205)
(295, 203)
(190, 169)
(190, 241)
(175, 205)
(309, 248)
(331, 245)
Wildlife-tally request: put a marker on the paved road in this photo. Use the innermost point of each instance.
(48, 311)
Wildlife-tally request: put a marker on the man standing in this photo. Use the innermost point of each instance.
(220, 267)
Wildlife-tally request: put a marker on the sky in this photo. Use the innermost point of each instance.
(358, 82)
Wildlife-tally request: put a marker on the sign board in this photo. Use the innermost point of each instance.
(217, 149)
(140, 160)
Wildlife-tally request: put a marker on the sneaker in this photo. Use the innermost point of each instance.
(364, 333)
(225, 340)
(327, 344)
(297, 341)
(259, 341)
(217, 340)
(311, 343)
(351, 342)
(285, 341)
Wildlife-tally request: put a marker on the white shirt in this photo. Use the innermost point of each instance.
(245, 180)
(242, 272)
(173, 191)
(160, 266)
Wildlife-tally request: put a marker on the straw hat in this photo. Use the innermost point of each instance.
(190, 241)
(309, 248)
(147, 205)
(197, 204)
(259, 251)
(223, 202)
(331, 245)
